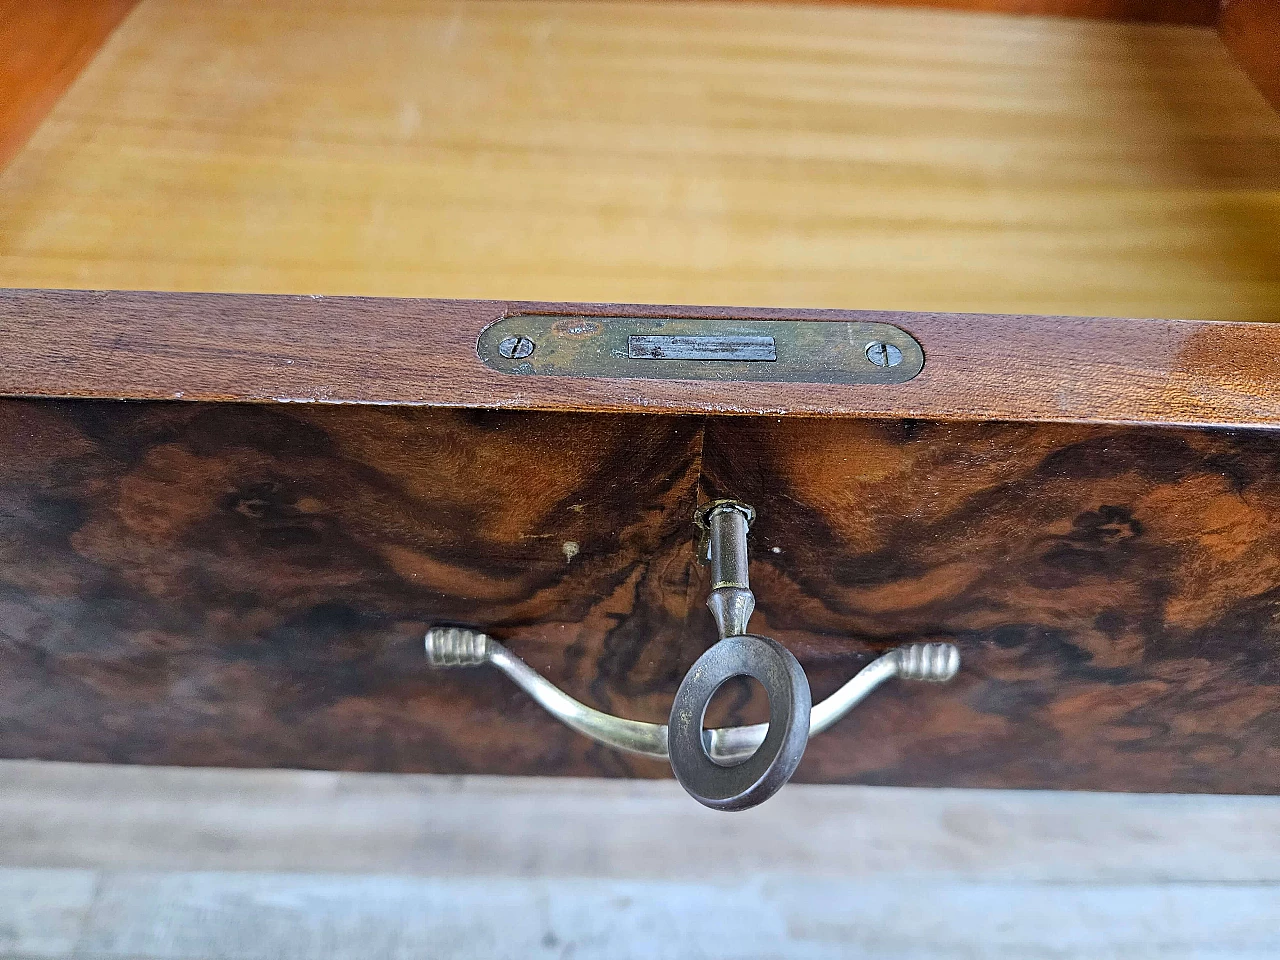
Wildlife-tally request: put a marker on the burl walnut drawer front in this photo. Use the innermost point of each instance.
(248, 583)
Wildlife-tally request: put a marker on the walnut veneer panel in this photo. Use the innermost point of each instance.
(247, 585)
(790, 155)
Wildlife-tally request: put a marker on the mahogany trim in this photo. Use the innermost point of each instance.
(298, 349)
(1251, 31)
(43, 47)
(1184, 12)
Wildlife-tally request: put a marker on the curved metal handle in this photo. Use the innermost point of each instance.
(728, 768)
(463, 647)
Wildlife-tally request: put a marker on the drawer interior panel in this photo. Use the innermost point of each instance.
(788, 155)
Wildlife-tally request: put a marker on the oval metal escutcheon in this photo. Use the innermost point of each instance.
(682, 348)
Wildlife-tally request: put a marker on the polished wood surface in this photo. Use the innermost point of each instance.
(43, 46)
(171, 864)
(772, 155)
(355, 350)
(1111, 590)
(260, 576)
(1251, 31)
(245, 585)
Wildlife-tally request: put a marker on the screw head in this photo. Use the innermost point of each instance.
(516, 348)
(883, 354)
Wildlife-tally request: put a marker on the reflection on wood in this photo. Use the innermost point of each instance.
(43, 46)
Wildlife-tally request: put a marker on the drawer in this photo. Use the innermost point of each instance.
(397, 363)
(243, 576)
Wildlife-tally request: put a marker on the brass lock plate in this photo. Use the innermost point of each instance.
(779, 351)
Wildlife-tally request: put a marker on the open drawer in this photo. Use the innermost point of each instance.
(372, 386)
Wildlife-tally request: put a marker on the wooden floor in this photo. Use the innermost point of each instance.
(169, 864)
(789, 155)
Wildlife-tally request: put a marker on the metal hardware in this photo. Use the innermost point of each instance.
(883, 354)
(750, 349)
(724, 525)
(775, 351)
(929, 662)
(516, 348)
(462, 647)
(727, 768)
(737, 785)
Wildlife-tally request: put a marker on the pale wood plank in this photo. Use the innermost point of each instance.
(177, 864)
(144, 818)
(287, 917)
(703, 153)
(43, 911)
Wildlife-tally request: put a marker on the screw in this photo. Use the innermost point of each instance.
(883, 354)
(516, 348)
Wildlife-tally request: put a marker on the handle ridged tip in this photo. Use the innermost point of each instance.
(456, 647)
(932, 662)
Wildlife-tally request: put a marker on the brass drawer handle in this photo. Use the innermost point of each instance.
(726, 768)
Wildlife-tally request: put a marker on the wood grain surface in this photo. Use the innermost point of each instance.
(1251, 31)
(246, 585)
(174, 819)
(43, 47)
(170, 864)
(1111, 590)
(717, 153)
(255, 574)
(354, 350)
(1203, 12)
